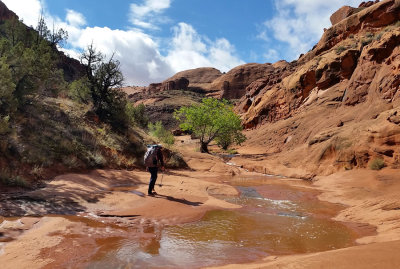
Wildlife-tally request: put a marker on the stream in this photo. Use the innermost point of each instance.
(275, 219)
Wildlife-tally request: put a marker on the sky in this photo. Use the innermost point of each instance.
(154, 39)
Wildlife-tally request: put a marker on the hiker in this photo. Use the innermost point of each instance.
(152, 159)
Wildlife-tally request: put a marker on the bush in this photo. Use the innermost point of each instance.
(4, 125)
(8, 179)
(137, 114)
(377, 164)
(157, 130)
(79, 90)
(176, 161)
(340, 49)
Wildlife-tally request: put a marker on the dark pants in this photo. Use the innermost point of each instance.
(153, 178)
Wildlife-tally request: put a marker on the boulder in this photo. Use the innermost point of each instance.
(342, 14)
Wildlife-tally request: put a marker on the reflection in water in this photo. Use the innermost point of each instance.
(293, 222)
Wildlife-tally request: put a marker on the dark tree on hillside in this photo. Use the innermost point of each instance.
(55, 37)
(105, 79)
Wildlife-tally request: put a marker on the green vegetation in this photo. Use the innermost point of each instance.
(212, 119)
(377, 164)
(137, 115)
(48, 123)
(104, 80)
(340, 49)
(8, 179)
(163, 135)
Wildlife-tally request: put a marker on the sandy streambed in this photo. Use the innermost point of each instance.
(110, 208)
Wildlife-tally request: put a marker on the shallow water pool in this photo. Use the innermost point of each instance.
(274, 219)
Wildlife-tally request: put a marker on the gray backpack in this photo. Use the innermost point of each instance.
(150, 158)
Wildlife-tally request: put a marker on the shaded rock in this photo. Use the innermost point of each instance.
(233, 84)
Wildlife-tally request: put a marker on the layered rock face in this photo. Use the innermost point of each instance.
(197, 80)
(338, 106)
(232, 85)
(212, 83)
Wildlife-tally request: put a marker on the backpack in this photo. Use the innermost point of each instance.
(150, 157)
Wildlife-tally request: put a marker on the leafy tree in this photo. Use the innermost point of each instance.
(105, 80)
(212, 119)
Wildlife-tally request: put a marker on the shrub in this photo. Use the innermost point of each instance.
(232, 151)
(377, 164)
(79, 90)
(4, 125)
(340, 49)
(176, 161)
(369, 35)
(8, 179)
(37, 171)
(157, 130)
(137, 114)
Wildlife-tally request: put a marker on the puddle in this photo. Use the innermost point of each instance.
(274, 219)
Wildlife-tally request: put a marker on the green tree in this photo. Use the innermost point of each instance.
(57, 36)
(105, 79)
(15, 31)
(212, 119)
(7, 88)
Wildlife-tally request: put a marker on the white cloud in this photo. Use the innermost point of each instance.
(28, 10)
(148, 15)
(141, 62)
(75, 18)
(139, 53)
(190, 50)
(300, 24)
(271, 55)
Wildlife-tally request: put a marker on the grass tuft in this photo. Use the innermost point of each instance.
(377, 164)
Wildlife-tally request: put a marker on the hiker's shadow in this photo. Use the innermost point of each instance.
(182, 201)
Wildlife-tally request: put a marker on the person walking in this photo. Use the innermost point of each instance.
(153, 159)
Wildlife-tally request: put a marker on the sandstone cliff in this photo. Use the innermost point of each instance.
(338, 106)
(197, 80)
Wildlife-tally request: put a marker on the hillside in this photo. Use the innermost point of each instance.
(48, 120)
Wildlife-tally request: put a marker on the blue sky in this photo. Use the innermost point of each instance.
(154, 39)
